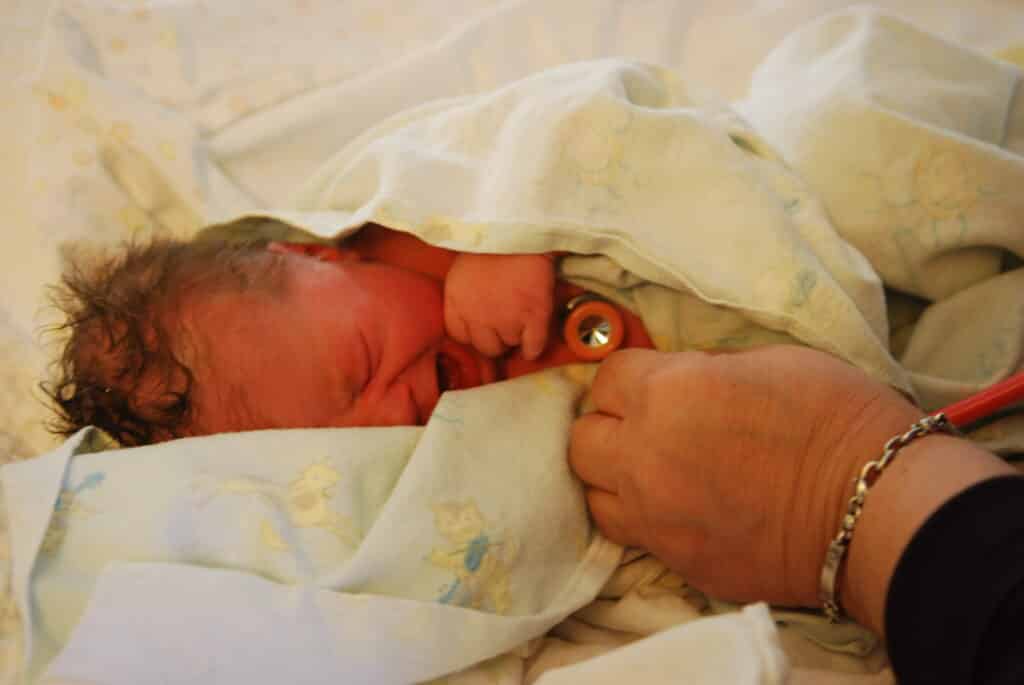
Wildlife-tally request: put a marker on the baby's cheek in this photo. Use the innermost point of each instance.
(397, 408)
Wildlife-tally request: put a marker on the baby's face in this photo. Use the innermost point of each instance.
(347, 344)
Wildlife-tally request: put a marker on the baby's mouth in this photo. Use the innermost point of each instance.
(460, 368)
(447, 374)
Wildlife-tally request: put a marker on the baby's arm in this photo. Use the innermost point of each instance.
(491, 301)
(494, 302)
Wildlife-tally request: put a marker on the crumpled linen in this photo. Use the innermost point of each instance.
(388, 555)
(906, 198)
(914, 145)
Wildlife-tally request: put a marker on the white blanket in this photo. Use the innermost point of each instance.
(702, 228)
(620, 160)
(915, 146)
(367, 555)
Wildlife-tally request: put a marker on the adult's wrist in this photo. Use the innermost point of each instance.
(925, 475)
(861, 440)
(836, 552)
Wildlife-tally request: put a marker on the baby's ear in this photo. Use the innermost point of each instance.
(323, 253)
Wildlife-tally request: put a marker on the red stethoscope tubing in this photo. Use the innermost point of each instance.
(987, 402)
(962, 413)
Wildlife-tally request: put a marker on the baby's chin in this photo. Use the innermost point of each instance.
(461, 367)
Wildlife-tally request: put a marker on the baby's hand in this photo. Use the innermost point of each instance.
(494, 302)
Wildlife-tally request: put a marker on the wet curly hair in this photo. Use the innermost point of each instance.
(122, 368)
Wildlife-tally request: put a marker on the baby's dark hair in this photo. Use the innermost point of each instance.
(122, 367)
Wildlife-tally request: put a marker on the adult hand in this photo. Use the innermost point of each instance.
(732, 468)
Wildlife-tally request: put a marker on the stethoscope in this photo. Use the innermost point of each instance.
(986, 403)
(593, 328)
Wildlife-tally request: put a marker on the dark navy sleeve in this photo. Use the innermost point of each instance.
(955, 608)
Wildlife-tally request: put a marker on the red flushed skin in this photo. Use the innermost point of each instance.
(401, 249)
(419, 363)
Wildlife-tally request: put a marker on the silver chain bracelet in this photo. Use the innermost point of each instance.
(837, 548)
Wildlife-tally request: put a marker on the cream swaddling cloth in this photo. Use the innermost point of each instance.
(308, 555)
(670, 202)
(913, 144)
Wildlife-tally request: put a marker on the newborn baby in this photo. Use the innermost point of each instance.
(178, 339)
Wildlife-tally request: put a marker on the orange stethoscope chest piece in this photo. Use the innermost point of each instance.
(593, 327)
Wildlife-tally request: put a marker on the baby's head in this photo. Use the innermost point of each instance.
(174, 339)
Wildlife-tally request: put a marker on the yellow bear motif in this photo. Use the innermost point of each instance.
(306, 499)
(479, 562)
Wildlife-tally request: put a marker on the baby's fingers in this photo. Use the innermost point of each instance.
(486, 341)
(456, 326)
